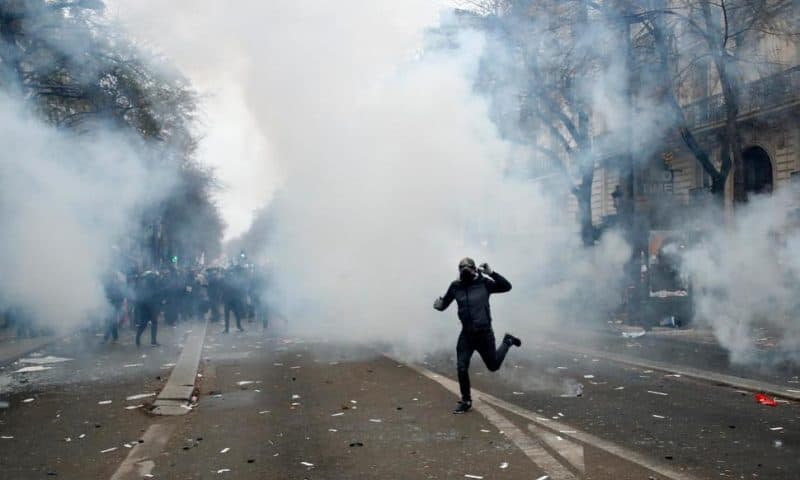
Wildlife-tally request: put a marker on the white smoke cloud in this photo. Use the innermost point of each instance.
(388, 167)
(744, 273)
(65, 200)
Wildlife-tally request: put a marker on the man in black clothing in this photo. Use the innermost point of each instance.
(149, 298)
(234, 291)
(471, 292)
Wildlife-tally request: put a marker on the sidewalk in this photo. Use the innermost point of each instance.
(696, 353)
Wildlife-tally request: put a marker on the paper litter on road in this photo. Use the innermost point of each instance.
(484, 430)
(127, 445)
(225, 450)
(44, 360)
(775, 429)
(140, 396)
(543, 477)
(477, 477)
(107, 450)
(28, 400)
(658, 416)
(619, 388)
(105, 402)
(295, 404)
(633, 334)
(262, 412)
(295, 397)
(245, 382)
(133, 407)
(337, 414)
(657, 393)
(307, 464)
(7, 437)
(518, 393)
(504, 465)
(36, 368)
(375, 420)
(560, 414)
(353, 402)
(132, 365)
(333, 430)
(673, 375)
(647, 371)
(223, 470)
(82, 435)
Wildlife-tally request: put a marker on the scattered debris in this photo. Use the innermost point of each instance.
(333, 430)
(105, 402)
(44, 360)
(295, 397)
(28, 400)
(225, 450)
(588, 376)
(485, 431)
(504, 465)
(518, 393)
(337, 414)
(82, 435)
(36, 368)
(140, 396)
(262, 412)
(133, 407)
(776, 429)
(7, 437)
(133, 365)
(245, 382)
(619, 388)
(778, 443)
(107, 450)
(307, 464)
(657, 393)
(477, 477)
(765, 400)
(638, 334)
(223, 470)
(659, 416)
(375, 420)
(543, 477)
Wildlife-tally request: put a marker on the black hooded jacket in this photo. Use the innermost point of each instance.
(473, 299)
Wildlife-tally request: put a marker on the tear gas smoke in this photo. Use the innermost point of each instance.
(391, 171)
(65, 201)
(745, 275)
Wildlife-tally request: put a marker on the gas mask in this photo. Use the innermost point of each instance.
(467, 271)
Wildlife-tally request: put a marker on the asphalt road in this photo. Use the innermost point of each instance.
(708, 430)
(276, 407)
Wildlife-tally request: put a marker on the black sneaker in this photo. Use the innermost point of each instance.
(463, 407)
(512, 340)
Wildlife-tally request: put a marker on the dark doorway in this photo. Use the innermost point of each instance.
(757, 174)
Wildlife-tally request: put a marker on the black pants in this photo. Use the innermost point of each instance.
(146, 314)
(237, 308)
(481, 341)
(112, 330)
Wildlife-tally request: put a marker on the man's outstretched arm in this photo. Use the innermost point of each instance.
(442, 303)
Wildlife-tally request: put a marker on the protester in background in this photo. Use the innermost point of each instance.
(115, 293)
(234, 291)
(148, 298)
(471, 292)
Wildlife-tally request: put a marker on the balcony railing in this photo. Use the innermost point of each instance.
(768, 92)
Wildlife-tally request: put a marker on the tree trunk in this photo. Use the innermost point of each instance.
(583, 194)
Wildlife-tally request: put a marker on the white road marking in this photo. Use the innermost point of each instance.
(139, 462)
(555, 426)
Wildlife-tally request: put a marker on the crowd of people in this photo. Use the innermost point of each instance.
(143, 298)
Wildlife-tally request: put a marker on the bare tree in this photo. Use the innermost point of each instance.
(686, 33)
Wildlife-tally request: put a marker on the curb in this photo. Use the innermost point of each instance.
(175, 397)
(695, 373)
